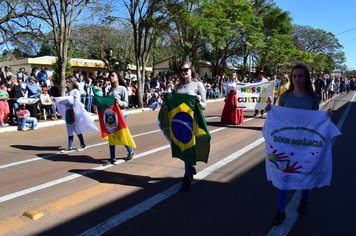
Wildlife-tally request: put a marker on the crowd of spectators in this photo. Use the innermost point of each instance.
(37, 90)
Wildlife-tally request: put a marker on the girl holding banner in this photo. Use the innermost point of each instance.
(231, 114)
(300, 95)
(73, 90)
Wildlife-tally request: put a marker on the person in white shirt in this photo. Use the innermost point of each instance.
(231, 114)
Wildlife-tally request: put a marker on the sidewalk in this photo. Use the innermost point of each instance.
(48, 123)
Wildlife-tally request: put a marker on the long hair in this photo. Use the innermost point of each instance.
(195, 78)
(308, 85)
(287, 79)
(74, 81)
(120, 78)
(191, 67)
(233, 74)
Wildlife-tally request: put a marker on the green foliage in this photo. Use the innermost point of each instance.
(56, 72)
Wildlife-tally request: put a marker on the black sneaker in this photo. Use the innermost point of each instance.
(279, 217)
(303, 206)
(192, 173)
(110, 162)
(68, 149)
(81, 148)
(185, 184)
(130, 156)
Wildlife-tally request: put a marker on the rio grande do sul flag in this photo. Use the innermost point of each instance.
(78, 120)
(183, 124)
(298, 148)
(254, 95)
(112, 122)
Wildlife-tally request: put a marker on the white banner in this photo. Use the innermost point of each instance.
(254, 95)
(77, 119)
(298, 147)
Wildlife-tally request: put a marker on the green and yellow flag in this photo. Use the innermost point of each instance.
(182, 122)
(112, 122)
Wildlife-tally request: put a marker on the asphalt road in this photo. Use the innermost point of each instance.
(230, 196)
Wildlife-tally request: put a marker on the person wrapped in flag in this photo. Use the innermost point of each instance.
(119, 92)
(183, 111)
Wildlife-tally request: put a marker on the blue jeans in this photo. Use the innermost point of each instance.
(83, 98)
(70, 140)
(53, 109)
(88, 102)
(282, 197)
(112, 147)
(187, 169)
(32, 122)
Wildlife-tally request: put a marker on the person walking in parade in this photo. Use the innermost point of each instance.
(231, 114)
(300, 95)
(73, 90)
(119, 91)
(282, 87)
(189, 84)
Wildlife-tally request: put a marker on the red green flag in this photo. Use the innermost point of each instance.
(112, 122)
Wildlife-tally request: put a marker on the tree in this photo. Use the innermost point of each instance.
(115, 49)
(323, 48)
(277, 44)
(147, 17)
(60, 17)
(17, 18)
(229, 17)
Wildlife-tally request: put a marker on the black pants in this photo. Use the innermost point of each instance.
(32, 108)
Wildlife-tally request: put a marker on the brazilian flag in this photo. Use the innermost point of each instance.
(182, 122)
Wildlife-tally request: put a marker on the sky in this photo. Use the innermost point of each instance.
(330, 15)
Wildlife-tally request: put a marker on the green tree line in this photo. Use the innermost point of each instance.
(223, 33)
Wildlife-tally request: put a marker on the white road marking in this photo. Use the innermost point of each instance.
(74, 176)
(150, 202)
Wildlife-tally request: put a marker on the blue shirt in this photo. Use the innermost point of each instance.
(33, 90)
(42, 76)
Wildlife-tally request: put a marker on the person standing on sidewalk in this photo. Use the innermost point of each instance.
(119, 91)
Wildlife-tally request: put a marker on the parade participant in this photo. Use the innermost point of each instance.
(300, 95)
(4, 106)
(261, 78)
(119, 91)
(282, 87)
(189, 84)
(24, 118)
(72, 90)
(231, 114)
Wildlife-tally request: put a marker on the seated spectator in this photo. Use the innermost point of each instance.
(25, 122)
(155, 102)
(47, 103)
